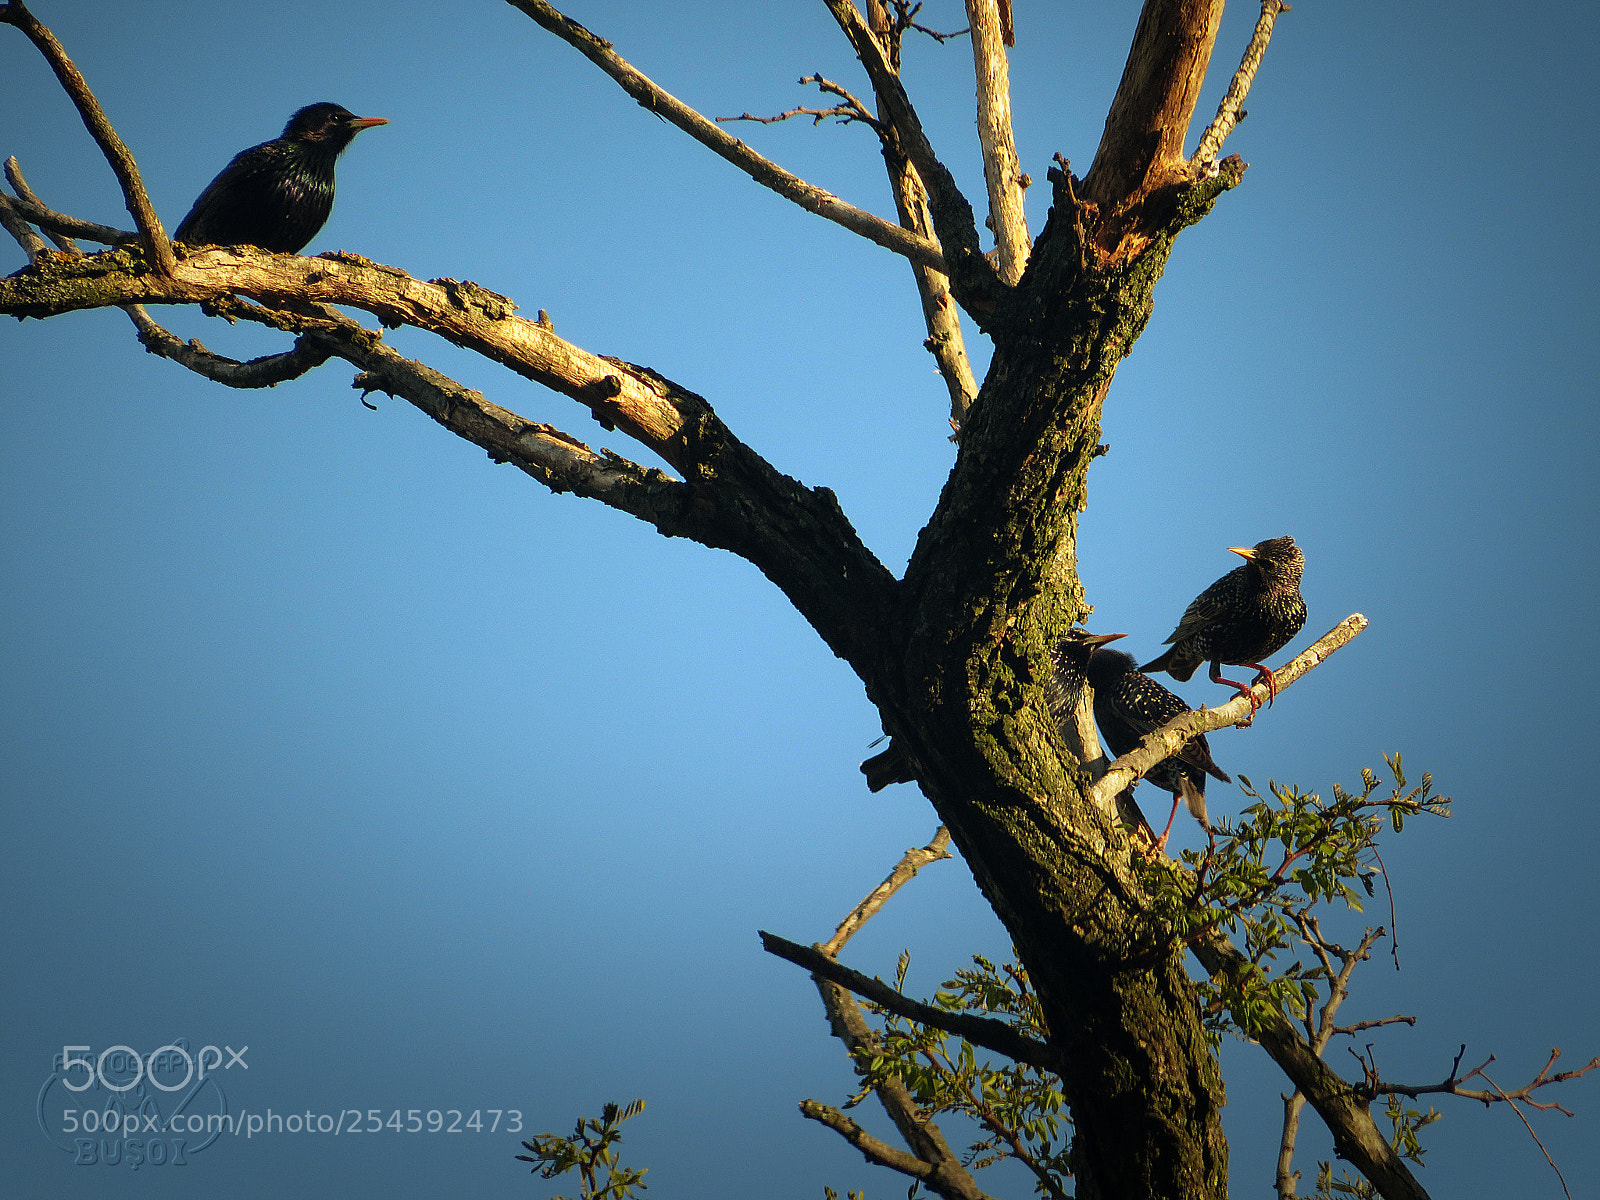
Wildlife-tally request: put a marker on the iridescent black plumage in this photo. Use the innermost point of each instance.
(276, 195)
(1127, 706)
(1070, 660)
(1251, 612)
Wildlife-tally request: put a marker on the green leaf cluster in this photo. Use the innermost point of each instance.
(592, 1152)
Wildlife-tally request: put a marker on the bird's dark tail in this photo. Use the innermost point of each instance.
(1180, 669)
(1194, 799)
(888, 766)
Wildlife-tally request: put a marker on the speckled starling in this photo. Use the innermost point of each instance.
(1070, 660)
(1251, 612)
(276, 195)
(1127, 706)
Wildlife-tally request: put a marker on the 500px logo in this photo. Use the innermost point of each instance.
(154, 1109)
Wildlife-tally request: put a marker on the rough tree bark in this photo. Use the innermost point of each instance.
(954, 654)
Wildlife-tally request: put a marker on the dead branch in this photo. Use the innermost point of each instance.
(1356, 1136)
(1231, 110)
(1001, 170)
(1454, 1084)
(656, 99)
(267, 371)
(974, 280)
(143, 212)
(947, 1178)
(904, 872)
(1180, 730)
(850, 110)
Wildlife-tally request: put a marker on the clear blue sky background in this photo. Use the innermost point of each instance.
(325, 735)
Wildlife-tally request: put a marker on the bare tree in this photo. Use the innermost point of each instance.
(956, 654)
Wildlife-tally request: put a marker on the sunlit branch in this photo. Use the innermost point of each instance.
(1231, 110)
(942, 318)
(974, 280)
(1176, 733)
(1002, 171)
(904, 872)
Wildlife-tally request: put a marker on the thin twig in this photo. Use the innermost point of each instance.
(100, 128)
(851, 110)
(1230, 112)
(1529, 1127)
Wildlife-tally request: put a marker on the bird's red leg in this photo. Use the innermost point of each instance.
(1244, 689)
(1265, 675)
(1161, 842)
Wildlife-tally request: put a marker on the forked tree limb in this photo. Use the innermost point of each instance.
(19, 184)
(1002, 172)
(154, 236)
(32, 211)
(1181, 730)
(654, 98)
(1141, 149)
(973, 279)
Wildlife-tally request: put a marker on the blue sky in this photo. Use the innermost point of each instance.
(326, 736)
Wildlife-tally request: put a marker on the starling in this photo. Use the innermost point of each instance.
(278, 194)
(1128, 705)
(1070, 660)
(1250, 613)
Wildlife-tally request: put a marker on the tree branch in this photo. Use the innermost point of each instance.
(143, 212)
(735, 500)
(904, 872)
(1141, 150)
(1001, 170)
(267, 371)
(974, 281)
(942, 319)
(12, 221)
(980, 1031)
(1176, 733)
(948, 1177)
(25, 193)
(1356, 1136)
(874, 1150)
(655, 99)
(1231, 111)
(31, 210)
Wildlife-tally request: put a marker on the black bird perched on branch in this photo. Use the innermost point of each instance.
(278, 194)
(1127, 706)
(1070, 659)
(1250, 613)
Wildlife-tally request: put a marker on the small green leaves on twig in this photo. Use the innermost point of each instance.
(591, 1151)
